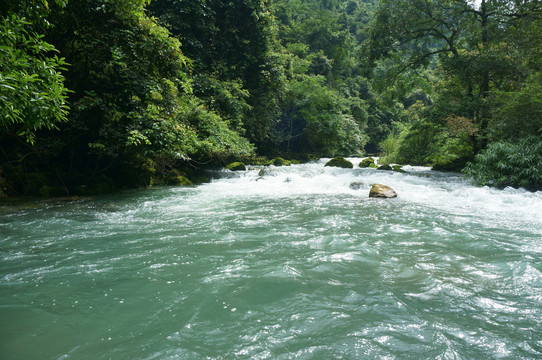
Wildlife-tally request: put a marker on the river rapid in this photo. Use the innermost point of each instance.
(295, 264)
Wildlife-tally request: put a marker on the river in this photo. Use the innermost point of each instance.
(294, 264)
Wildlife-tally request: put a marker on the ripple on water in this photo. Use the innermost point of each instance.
(297, 265)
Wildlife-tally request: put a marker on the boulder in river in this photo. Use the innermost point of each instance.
(178, 178)
(340, 162)
(236, 166)
(385, 167)
(281, 162)
(382, 191)
(179, 181)
(365, 163)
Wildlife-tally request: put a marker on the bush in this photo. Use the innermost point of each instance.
(505, 163)
(389, 148)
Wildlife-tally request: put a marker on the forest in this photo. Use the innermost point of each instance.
(98, 95)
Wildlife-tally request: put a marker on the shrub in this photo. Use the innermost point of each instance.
(506, 163)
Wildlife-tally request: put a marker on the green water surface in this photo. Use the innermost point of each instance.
(285, 268)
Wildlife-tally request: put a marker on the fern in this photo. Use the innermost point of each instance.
(507, 163)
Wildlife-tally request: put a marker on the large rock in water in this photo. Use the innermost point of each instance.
(281, 162)
(369, 162)
(236, 166)
(340, 162)
(385, 167)
(382, 191)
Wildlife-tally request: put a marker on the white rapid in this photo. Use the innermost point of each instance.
(447, 192)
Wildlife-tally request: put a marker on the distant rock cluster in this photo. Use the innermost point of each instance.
(377, 190)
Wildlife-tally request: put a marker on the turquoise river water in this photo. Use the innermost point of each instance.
(296, 264)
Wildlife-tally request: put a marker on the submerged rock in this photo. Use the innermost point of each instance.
(398, 168)
(356, 185)
(236, 166)
(340, 162)
(382, 191)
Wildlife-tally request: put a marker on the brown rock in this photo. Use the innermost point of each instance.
(382, 191)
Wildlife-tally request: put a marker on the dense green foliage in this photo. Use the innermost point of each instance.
(32, 91)
(133, 113)
(510, 163)
(98, 94)
(483, 64)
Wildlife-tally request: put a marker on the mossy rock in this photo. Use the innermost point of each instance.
(179, 181)
(373, 166)
(178, 178)
(259, 160)
(236, 166)
(340, 162)
(385, 167)
(200, 179)
(365, 163)
(281, 162)
(398, 168)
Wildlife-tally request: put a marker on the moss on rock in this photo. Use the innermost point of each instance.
(398, 168)
(385, 167)
(281, 162)
(178, 178)
(179, 181)
(236, 166)
(369, 162)
(340, 162)
(258, 160)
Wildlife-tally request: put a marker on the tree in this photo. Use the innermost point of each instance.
(32, 91)
(486, 62)
(233, 47)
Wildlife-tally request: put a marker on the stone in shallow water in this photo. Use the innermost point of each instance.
(356, 185)
(367, 163)
(385, 167)
(340, 162)
(236, 166)
(382, 191)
